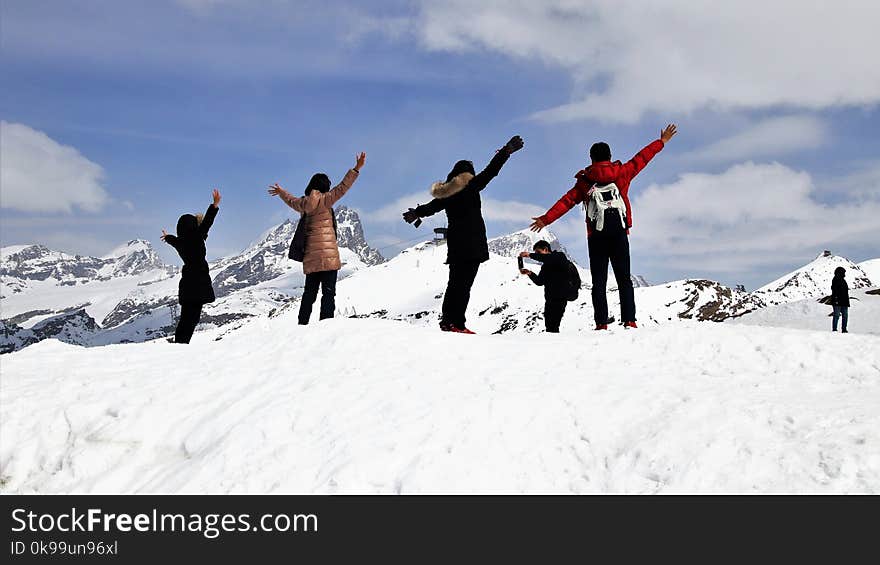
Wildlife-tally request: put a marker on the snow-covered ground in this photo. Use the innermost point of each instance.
(871, 268)
(367, 405)
(864, 315)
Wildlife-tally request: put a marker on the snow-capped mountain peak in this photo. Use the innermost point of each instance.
(510, 245)
(282, 233)
(133, 258)
(133, 246)
(350, 234)
(813, 280)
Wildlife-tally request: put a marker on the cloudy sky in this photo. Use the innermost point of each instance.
(117, 116)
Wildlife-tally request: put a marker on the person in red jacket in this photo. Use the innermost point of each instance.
(607, 239)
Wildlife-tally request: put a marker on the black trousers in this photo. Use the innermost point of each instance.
(614, 247)
(327, 281)
(458, 292)
(190, 312)
(554, 308)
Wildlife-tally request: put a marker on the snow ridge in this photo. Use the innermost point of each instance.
(688, 408)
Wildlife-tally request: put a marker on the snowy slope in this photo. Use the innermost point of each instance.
(871, 268)
(813, 280)
(410, 287)
(864, 314)
(361, 406)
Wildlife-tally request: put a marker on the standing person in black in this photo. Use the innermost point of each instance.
(839, 300)
(554, 278)
(467, 245)
(195, 288)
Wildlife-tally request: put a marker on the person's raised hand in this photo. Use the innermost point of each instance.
(524, 254)
(360, 159)
(275, 190)
(538, 224)
(514, 145)
(667, 133)
(526, 272)
(216, 196)
(410, 216)
(164, 235)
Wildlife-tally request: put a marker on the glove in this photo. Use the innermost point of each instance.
(410, 216)
(515, 144)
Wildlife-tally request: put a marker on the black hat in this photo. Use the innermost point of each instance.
(187, 225)
(319, 182)
(460, 167)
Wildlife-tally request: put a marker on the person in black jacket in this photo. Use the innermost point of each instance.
(839, 299)
(467, 245)
(195, 288)
(554, 278)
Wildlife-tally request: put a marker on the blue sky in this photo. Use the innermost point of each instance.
(118, 116)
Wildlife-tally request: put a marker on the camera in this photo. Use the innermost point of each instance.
(519, 263)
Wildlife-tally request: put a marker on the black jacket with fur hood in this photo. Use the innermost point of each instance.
(460, 197)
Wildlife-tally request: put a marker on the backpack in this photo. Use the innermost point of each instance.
(572, 279)
(605, 203)
(297, 250)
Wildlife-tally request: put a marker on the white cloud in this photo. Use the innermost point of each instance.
(748, 216)
(510, 211)
(38, 174)
(862, 185)
(768, 138)
(675, 56)
(392, 212)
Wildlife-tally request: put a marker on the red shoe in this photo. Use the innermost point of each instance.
(463, 331)
(601, 326)
(630, 325)
(447, 328)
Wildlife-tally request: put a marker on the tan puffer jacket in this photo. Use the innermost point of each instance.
(322, 251)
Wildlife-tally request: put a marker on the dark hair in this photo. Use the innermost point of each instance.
(319, 182)
(187, 226)
(600, 152)
(460, 167)
(541, 245)
(839, 272)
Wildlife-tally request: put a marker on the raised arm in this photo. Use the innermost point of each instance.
(210, 214)
(429, 209)
(641, 159)
(569, 200)
(432, 207)
(294, 202)
(338, 191)
(539, 257)
(170, 239)
(494, 167)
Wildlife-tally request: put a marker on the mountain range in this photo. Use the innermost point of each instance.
(129, 295)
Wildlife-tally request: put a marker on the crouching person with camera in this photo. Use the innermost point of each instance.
(560, 279)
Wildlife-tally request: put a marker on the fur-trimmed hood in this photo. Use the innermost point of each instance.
(454, 186)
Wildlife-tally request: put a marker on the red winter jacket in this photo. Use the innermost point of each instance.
(604, 172)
